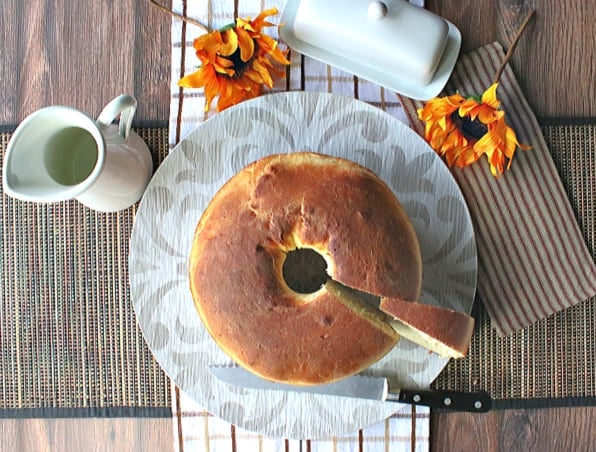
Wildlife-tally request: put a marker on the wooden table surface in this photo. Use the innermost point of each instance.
(83, 53)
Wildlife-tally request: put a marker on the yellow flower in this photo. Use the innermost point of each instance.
(236, 61)
(461, 130)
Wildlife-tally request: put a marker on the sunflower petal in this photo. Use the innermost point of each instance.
(489, 115)
(229, 43)
(468, 107)
(245, 24)
(261, 68)
(260, 21)
(224, 66)
(489, 97)
(198, 78)
(208, 41)
(246, 44)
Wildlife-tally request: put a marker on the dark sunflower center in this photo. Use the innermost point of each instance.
(240, 66)
(472, 130)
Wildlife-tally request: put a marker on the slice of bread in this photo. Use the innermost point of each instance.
(443, 331)
(353, 300)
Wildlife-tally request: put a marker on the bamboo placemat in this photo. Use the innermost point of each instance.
(69, 342)
(556, 357)
(70, 345)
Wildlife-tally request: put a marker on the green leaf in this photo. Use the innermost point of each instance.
(227, 27)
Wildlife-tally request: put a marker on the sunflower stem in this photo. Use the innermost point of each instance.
(180, 16)
(513, 45)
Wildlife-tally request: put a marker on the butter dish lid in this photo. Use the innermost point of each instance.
(393, 43)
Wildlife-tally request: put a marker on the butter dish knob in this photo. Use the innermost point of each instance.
(377, 10)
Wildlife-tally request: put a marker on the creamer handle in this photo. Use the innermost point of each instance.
(124, 105)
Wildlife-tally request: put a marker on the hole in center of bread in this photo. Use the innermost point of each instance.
(304, 270)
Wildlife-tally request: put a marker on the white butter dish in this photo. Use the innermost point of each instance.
(390, 42)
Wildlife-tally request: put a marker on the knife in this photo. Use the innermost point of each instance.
(363, 387)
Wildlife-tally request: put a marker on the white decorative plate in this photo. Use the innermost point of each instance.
(195, 169)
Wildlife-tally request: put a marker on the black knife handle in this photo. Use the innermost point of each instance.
(476, 402)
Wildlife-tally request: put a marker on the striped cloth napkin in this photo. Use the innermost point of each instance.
(533, 260)
(195, 429)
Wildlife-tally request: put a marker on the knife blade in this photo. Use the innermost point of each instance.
(363, 387)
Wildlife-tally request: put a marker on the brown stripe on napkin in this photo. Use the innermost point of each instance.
(533, 260)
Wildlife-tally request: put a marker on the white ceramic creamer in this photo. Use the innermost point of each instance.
(59, 153)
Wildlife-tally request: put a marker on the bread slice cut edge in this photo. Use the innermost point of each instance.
(443, 331)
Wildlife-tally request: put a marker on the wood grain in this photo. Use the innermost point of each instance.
(549, 429)
(83, 54)
(555, 60)
(76, 435)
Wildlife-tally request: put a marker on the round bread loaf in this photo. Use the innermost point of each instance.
(286, 202)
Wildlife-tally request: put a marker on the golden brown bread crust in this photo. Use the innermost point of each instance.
(442, 330)
(275, 205)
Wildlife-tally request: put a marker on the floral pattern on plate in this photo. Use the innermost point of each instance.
(218, 148)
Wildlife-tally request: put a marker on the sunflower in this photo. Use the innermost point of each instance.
(461, 130)
(236, 61)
